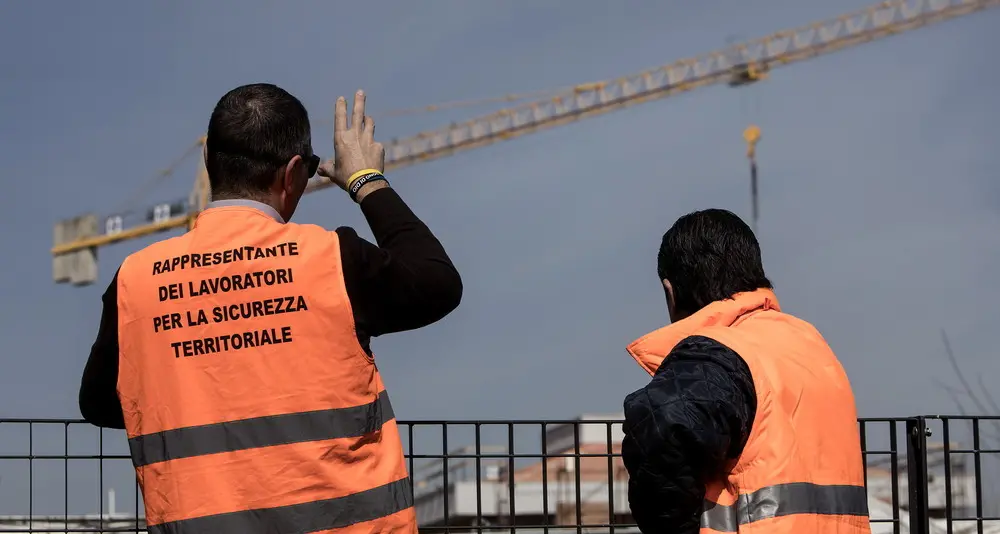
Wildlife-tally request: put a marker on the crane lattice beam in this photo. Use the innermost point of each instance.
(738, 65)
(752, 59)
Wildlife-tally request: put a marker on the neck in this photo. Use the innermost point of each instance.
(224, 198)
(263, 198)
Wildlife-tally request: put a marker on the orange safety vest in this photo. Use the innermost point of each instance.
(249, 404)
(801, 469)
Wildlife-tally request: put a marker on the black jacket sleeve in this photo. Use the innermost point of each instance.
(682, 429)
(99, 402)
(405, 282)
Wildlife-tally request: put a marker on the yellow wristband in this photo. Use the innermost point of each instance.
(359, 174)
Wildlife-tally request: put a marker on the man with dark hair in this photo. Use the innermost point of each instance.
(252, 129)
(237, 356)
(749, 422)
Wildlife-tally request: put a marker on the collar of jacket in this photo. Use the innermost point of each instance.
(243, 203)
(650, 350)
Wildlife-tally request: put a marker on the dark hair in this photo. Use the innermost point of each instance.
(709, 255)
(254, 131)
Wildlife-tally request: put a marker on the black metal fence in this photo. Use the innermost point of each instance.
(924, 475)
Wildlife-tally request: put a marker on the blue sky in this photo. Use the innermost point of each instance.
(878, 189)
(879, 196)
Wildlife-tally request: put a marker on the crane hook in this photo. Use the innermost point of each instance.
(752, 135)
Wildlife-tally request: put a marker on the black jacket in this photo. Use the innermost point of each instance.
(682, 430)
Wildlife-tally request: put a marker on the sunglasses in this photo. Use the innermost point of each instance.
(310, 160)
(312, 164)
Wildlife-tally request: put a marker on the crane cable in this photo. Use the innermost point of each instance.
(453, 104)
(129, 206)
(515, 97)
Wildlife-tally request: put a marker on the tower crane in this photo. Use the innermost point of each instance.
(77, 239)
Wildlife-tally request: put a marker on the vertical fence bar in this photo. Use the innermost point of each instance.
(894, 472)
(611, 482)
(576, 473)
(545, 479)
(916, 467)
(31, 477)
(444, 471)
(945, 435)
(862, 431)
(66, 474)
(976, 455)
(511, 508)
(100, 476)
(479, 478)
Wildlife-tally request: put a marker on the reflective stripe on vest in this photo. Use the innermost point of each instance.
(785, 499)
(261, 432)
(308, 517)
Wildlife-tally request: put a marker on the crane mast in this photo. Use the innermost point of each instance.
(76, 240)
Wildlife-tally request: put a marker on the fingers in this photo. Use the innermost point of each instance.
(340, 115)
(359, 110)
(326, 169)
(369, 131)
(380, 150)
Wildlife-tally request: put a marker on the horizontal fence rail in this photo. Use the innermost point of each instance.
(923, 474)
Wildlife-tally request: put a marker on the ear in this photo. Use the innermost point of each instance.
(668, 290)
(290, 178)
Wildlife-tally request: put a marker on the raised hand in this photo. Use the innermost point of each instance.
(354, 145)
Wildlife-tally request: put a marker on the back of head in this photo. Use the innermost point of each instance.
(707, 256)
(254, 131)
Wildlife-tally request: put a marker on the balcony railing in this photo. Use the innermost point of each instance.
(924, 475)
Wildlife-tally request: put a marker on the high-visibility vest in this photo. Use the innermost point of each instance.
(802, 467)
(249, 403)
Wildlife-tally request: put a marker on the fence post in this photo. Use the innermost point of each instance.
(916, 470)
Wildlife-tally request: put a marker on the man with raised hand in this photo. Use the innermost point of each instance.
(236, 356)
